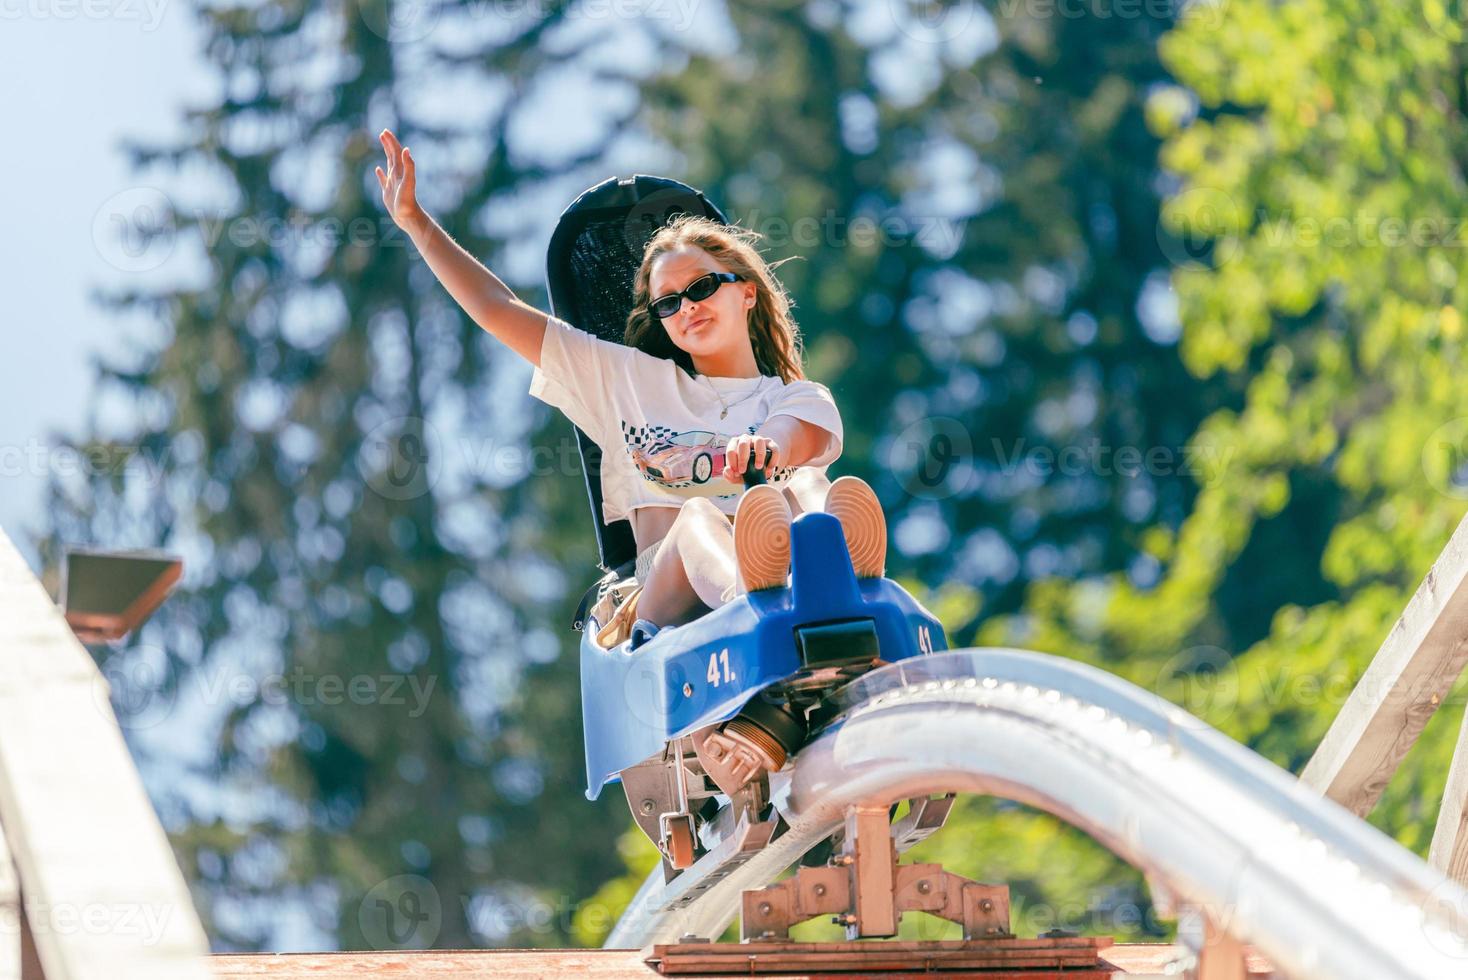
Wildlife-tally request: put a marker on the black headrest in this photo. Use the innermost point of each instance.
(590, 264)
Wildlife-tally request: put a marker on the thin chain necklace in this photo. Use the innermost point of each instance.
(728, 405)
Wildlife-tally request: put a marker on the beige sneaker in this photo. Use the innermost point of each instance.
(852, 502)
(762, 538)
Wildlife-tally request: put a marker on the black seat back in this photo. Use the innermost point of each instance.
(590, 264)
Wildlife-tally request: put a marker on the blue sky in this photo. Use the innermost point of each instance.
(77, 77)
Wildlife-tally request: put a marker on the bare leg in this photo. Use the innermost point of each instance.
(693, 568)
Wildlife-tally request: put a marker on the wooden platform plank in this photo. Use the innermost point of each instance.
(1411, 674)
(104, 897)
(785, 957)
(1127, 960)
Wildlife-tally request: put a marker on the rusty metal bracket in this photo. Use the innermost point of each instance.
(866, 890)
(925, 816)
(731, 762)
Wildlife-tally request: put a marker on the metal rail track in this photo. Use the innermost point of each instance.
(1215, 826)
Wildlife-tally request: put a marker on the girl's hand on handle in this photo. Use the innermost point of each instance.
(746, 451)
(399, 183)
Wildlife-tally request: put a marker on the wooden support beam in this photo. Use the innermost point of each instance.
(103, 896)
(1449, 851)
(1412, 672)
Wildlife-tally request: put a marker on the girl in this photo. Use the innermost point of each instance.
(708, 383)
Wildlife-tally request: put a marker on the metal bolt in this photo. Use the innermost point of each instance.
(923, 887)
(688, 690)
(986, 905)
(764, 908)
(843, 920)
(842, 860)
(820, 890)
(648, 806)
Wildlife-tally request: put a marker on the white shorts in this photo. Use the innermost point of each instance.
(644, 562)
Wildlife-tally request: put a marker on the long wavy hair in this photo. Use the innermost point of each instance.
(773, 333)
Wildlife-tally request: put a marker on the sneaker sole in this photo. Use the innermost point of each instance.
(863, 524)
(762, 538)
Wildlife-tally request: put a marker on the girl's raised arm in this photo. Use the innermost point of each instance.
(487, 300)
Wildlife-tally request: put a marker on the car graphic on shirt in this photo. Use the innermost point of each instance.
(688, 457)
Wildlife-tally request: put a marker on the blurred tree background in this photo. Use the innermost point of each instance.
(1123, 306)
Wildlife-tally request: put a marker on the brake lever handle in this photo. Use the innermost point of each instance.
(753, 477)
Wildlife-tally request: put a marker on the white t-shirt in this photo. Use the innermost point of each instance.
(659, 429)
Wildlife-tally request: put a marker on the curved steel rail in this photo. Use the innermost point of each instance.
(1319, 892)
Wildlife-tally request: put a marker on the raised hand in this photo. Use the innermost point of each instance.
(399, 183)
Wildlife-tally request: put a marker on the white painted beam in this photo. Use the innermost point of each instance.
(104, 897)
(9, 915)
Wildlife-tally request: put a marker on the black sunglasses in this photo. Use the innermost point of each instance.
(701, 288)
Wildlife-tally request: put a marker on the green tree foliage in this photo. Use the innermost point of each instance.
(1319, 147)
